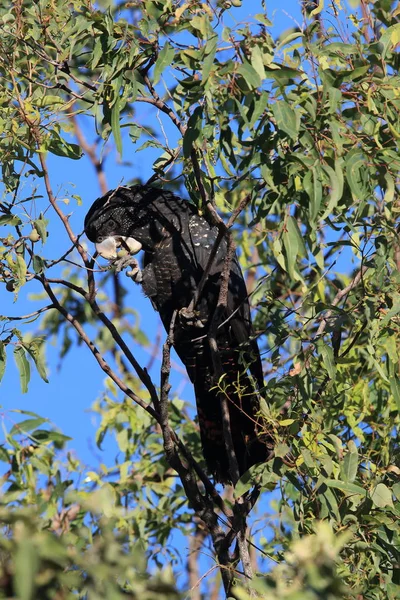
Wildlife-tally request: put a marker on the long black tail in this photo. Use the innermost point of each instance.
(243, 405)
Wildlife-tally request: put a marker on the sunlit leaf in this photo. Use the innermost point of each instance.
(23, 367)
(381, 496)
(27, 425)
(164, 59)
(3, 359)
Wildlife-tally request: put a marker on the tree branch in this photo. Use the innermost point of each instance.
(99, 358)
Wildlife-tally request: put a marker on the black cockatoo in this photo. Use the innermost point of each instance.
(177, 242)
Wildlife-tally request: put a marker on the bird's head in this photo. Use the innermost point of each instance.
(132, 217)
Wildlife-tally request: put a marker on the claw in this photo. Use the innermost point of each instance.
(189, 318)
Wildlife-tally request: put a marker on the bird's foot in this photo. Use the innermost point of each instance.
(190, 318)
(134, 273)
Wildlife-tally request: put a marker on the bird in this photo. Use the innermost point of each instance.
(177, 241)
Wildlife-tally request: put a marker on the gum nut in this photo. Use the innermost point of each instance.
(107, 248)
(133, 245)
(34, 235)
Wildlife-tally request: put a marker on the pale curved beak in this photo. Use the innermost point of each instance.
(108, 247)
(133, 245)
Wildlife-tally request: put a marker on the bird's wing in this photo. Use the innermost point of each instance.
(238, 327)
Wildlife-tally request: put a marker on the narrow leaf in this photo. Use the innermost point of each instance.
(23, 367)
(115, 126)
(328, 359)
(27, 425)
(35, 351)
(21, 269)
(210, 50)
(26, 566)
(395, 389)
(350, 463)
(42, 435)
(164, 59)
(356, 174)
(336, 187)
(349, 488)
(3, 359)
(319, 8)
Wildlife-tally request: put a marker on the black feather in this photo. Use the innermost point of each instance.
(177, 242)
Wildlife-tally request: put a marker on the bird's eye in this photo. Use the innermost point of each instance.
(111, 223)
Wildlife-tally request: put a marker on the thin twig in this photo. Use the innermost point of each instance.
(31, 315)
(341, 293)
(99, 358)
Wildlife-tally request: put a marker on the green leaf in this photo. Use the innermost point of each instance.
(115, 126)
(42, 435)
(390, 189)
(35, 351)
(281, 450)
(382, 496)
(10, 220)
(317, 10)
(356, 174)
(290, 244)
(396, 490)
(60, 147)
(390, 39)
(23, 367)
(257, 61)
(328, 499)
(193, 131)
(335, 99)
(315, 194)
(49, 101)
(328, 359)
(21, 269)
(41, 227)
(250, 478)
(203, 25)
(286, 118)
(39, 264)
(4, 456)
(27, 425)
(395, 389)
(293, 35)
(3, 359)
(295, 233)
(26, 566)
(250, 75)
(393, 312)
(347, 487)
(350, 463)
(208, 63)
(336, 187)
(164, 59)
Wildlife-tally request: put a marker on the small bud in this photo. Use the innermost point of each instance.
(10, 285)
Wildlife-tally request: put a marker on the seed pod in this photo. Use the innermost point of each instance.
(34, 235)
